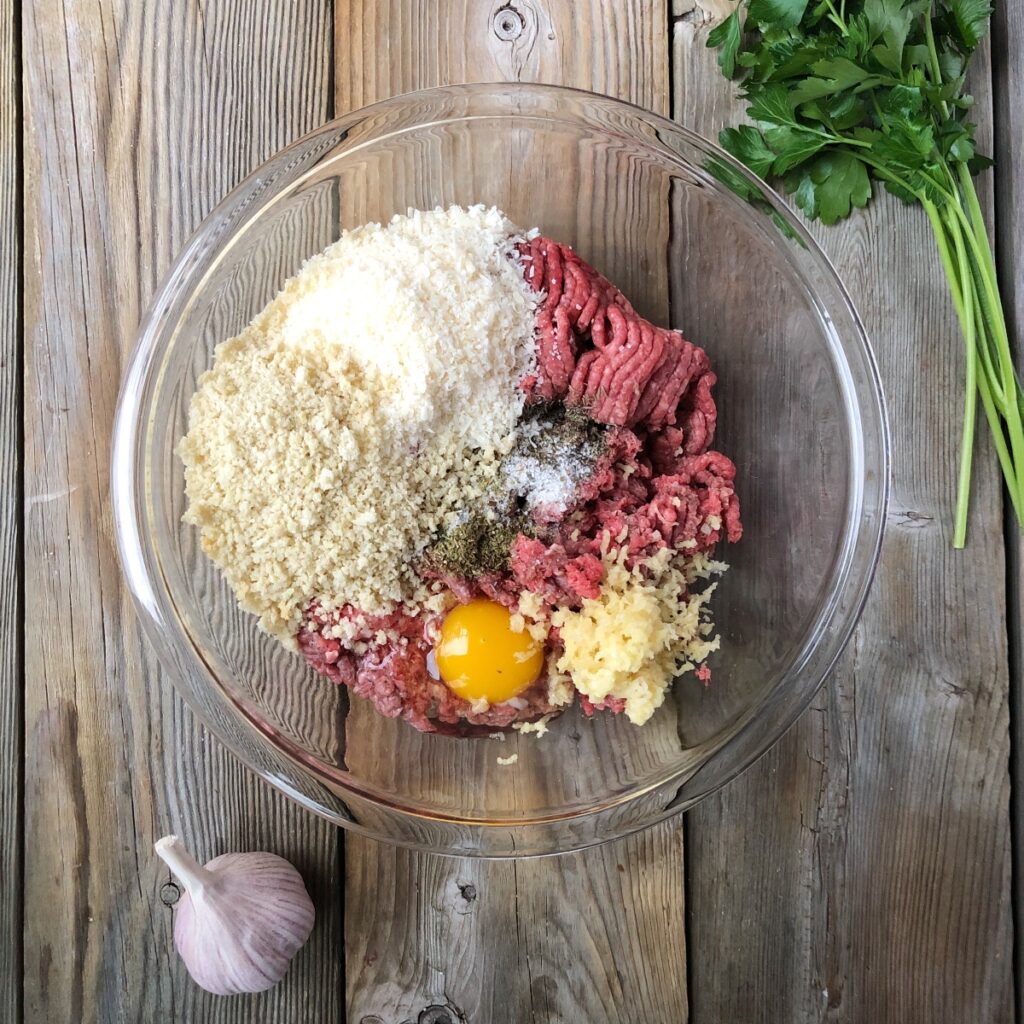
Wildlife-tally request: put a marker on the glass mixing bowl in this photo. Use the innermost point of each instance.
(801, 413)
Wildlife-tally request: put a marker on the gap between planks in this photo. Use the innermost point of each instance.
(11, 498)
(1008, 78)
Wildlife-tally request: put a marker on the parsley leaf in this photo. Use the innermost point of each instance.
(832, 76)
(793, 146)
(864, 87)
(890, 21)
(727, 37)
(904, 100)
(971, 20)
(772, 105)
(832, 185)
(747, 144)
(777, 13)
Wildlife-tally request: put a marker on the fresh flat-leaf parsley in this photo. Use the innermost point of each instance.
(848, 94)
(726, 38)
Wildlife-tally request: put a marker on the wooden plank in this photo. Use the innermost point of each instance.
(10, 531)
(592, 936)
(875, 885)
(535, 940)
(1008, 80)
(138, 118)
(384, 49)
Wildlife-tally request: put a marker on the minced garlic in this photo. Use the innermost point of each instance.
(632, 640)
(532, 615)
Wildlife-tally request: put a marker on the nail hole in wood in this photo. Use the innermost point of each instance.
(169, 894)
(508, 24)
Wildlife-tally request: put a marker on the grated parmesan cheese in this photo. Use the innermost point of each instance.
(640, 632)
(359, 413)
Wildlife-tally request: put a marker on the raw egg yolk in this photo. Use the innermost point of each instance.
(480, 656)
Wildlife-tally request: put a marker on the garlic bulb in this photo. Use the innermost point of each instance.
(241, 920)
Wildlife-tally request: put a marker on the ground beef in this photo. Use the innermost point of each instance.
(616, 705)
(690, 506)
(659, 484)
(595, 350)
(386, 663)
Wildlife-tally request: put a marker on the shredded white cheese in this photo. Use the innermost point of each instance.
(356, 415)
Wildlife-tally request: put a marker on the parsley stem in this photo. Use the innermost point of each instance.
(990, 294)
(834, 138)
(1006, 463)
(887, 175)
(933, 56)
(884, 173)
(968, 323)
(987, 364)
(836, 18)
(985, 253)
(945, 233)
(984, 273)
(966, 260)
(843, 140)
(985, 348)
(1002, 388)
(993, 359)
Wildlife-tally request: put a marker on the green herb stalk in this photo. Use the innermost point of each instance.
(844, 93)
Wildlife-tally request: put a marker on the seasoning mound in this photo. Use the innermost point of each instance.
(354, 418)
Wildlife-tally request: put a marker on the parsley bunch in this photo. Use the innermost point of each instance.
(847, 93)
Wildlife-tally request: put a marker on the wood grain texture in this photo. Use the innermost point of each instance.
(138, 117)
(395, 46)
(877, 883)
(10, 516)
(1008, 82)
(599, 935)
(589, 937)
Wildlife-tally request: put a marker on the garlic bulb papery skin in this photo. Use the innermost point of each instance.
(241, 918)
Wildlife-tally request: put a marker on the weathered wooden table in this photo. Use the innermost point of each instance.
(860, 872)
